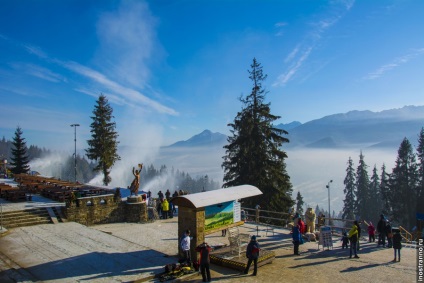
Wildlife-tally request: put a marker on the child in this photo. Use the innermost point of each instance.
(397, 243)
(185, 247)
(297, 237)
(345, 240)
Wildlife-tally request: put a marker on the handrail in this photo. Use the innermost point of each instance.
(285, 216)
(408, 236)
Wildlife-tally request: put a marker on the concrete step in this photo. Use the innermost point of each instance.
(24, 212)
(27, 223)
(29, 217)
(24, 216)
(6, 222)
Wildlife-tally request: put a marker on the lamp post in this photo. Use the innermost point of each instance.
(205, 181)
(329, 211)
(5, 168)
(75, 153)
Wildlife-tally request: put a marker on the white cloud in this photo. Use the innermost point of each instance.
(128, 42)
(394, 64)
(40, 72)
(129, 95)
(35, 50)
(284, 78)
(280, 24)
(336, 12)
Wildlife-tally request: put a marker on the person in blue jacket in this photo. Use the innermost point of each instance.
(297, 237)
(252, 253)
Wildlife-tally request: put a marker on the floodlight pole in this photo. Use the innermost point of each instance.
(75, 152)
(329, 211)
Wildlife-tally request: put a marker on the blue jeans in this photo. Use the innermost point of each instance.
(353, 247)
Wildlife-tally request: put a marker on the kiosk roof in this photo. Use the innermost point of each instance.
(216, 196)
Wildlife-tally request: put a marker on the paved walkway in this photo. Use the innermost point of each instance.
(127, 252)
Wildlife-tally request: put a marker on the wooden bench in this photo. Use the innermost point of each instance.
(5, 188)
(238, 241)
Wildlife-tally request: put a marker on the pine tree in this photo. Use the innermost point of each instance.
(403, 186)
(420, 156)
(19, 158)
(299, 203)
(349, 191)
(103, 146)
(253, 153)
(363, 203)
(317, 210)
(384, 191)
(375, 196)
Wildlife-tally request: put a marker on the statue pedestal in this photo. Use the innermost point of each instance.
(134, 199)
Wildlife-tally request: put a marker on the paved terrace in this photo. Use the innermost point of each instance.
(128, 252)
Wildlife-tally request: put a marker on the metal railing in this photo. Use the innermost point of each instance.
(282, 219)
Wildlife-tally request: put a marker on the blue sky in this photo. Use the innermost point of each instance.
(171, 69)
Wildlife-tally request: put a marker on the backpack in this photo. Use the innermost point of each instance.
(255, 250)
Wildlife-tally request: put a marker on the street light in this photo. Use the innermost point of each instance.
(205, 183)
(5, 168)
(75, 153)
(329, 213)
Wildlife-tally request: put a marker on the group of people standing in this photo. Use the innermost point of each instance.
(252, 255)
(385, 231)
(164, 205)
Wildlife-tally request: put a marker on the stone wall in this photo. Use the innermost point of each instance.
(104, 209)
(194, 220)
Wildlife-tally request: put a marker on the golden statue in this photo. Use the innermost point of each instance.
(135, 184)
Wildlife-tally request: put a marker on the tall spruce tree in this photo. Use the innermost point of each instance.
(384, 191)
(349, 191)
(103, 145)
(420, 187)
(299, 203)
(253, 153)
(403, 186)
(19, 157)
(375, 197)
(363, 206)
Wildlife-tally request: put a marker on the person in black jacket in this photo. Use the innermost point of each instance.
(397, 243)
(381, 229)
(204, 250)
(389, 234)
(252, 253)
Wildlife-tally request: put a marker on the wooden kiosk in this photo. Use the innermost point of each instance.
(194, 213)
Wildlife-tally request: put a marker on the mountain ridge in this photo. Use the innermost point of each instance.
(361, 127)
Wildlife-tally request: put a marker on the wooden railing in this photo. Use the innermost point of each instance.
(406, 235)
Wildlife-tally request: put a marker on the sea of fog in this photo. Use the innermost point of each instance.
(310, 170)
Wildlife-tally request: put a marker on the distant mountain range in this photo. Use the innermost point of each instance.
(352, 129)
(205, 138)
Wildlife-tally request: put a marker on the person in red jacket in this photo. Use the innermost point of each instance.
(371, 233)
(204, 250)
(302, 227)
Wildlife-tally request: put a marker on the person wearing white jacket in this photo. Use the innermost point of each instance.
(185, 246)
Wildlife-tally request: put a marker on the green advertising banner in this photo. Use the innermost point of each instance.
(219, 215)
